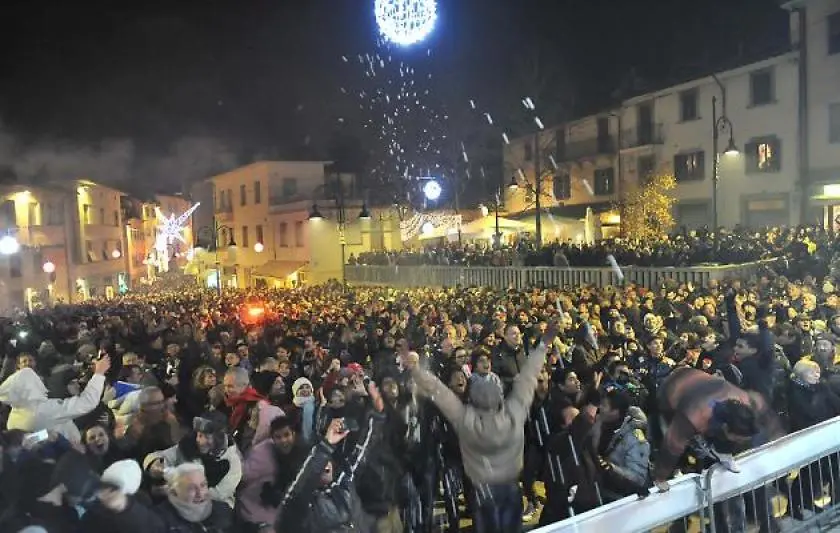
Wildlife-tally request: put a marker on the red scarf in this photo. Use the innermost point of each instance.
(239, 405)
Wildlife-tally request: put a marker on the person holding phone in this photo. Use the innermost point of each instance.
(321, 500)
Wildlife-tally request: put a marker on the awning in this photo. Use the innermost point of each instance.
(277, 269)
(488, 224)
(577, 211)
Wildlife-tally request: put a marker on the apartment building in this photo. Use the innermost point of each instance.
(38, 270)
(99, 266)
(266, 210)
(815, 35)
(758, 185)
(243, 201)
(784, 113)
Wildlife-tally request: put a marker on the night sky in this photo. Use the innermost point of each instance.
(176, 90)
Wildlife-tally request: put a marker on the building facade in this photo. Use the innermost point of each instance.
(265, 210)
(784, 113)
(815, 35)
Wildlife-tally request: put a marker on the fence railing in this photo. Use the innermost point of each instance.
(797, 471)
(523, 277)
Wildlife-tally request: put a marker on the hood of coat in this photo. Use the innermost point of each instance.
(486, 395)
(23, 388)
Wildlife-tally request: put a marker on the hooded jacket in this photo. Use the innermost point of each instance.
(628, 454)
(260, 467)
(33, 411)
(491, 428)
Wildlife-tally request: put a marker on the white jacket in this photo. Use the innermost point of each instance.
(225, 490)
(33, 411)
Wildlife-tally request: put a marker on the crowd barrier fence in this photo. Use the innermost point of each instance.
(800, 468)
(525, 277)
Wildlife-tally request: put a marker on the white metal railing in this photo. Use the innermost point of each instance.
(522, 277)
(696, 494)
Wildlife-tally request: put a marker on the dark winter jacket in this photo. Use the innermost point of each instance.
(686, 402)
(163, 518)
(310, 508)
(811, 404)
(507, 362)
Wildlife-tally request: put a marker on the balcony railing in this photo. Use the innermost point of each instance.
(584, 148)
(651, 134)
(526, 277)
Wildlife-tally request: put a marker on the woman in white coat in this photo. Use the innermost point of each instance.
(33, 411)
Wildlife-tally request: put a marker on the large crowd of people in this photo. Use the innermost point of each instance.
(680, 249)
(331, 409)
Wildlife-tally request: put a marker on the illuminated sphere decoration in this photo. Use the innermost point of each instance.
(259, 247)
(427, 228)
(432, 190)
(405, 22)
(116, 254)
(49, 267)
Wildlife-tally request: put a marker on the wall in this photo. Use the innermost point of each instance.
(97, 274)
(583, 155)
(823, 89)
(736, 186)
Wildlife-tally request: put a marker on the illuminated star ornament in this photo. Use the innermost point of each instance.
(405, 22)
(170, 230)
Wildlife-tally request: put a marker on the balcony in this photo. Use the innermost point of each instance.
(43, 236)
(224, 213)
(649, 135)
(586, 148)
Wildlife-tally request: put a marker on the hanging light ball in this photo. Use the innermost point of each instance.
(405, 22)
(432, 190)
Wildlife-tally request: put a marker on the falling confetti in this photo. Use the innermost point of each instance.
(405, 121)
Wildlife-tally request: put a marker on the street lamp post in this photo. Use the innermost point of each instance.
(213, 233)
(720, 124)
(536, 190)
(336, 194)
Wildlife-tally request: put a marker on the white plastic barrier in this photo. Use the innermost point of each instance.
(694, 493)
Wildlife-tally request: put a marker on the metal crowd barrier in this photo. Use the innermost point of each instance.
(524, 277)
(800, 471)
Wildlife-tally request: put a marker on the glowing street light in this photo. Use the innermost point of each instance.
(9, 245)
(116, 254)
(432, 190)
(259, 247)
(49, 267)
(731, 149)
(427, 228)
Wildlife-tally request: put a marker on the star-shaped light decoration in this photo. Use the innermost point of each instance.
(171, 229)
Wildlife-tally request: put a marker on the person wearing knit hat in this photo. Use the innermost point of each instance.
(490, 435)
(209, 445)
(305, 406)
